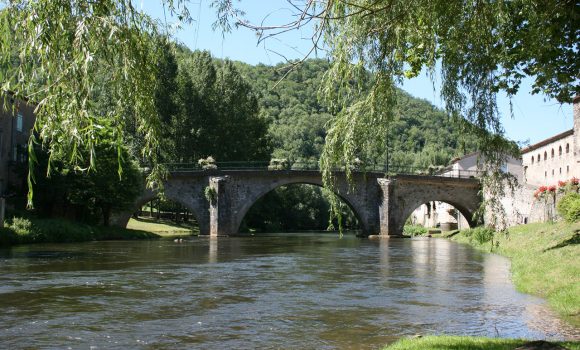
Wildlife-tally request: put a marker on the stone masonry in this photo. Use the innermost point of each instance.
(380, 204)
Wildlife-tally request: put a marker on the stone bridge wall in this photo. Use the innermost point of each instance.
(381, 204)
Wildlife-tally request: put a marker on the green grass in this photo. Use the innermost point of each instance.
(161, 227)
(545, 262)
(21, 230)
(465, 343)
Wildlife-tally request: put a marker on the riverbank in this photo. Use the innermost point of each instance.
(473, 343)
(20, 230)
(544, 260)
(162, 227)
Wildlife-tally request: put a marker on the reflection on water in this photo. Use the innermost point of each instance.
(281, 291)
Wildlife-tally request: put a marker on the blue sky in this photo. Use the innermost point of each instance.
(535, 117)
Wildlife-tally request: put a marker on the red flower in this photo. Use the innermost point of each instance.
(552, 188)
(574, 181)
(561, 183)
(542, 189)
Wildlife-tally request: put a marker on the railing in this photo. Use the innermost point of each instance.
(313, 166)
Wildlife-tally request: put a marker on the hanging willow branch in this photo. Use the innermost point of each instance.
(61, 55)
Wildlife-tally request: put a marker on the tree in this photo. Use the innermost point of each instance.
(483, 47)
(62, 49)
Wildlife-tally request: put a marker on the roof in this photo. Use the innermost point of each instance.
(457, 159)
(548, 141)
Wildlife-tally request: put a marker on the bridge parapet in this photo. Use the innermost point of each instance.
(382, 169)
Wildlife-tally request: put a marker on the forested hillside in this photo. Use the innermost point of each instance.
(422, 136)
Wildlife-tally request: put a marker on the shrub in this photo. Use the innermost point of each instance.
(569, 207)
(210, 194)
(414, 230)
(481, 234)
(207, 163)
(279, 164)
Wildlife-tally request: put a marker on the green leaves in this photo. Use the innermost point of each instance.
(69, 51)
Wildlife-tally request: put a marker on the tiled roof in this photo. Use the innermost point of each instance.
(548, 141)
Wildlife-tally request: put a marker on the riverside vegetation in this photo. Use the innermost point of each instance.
(22, 230)
(466, 343)
(544, 260)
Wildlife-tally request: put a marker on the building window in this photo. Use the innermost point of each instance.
(560, 151)
(19, 123)
(545, 173)
(567, 169)
(560, 171)
(545, 155)
(567, 148)
(552, 153)
(552, 172)
(538, 158)
(532, 159)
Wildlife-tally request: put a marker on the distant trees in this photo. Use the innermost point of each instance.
(217, 113)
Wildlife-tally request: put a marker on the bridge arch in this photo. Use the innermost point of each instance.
(193, 199)
(467, 214)
(260, 192)
(410, 192)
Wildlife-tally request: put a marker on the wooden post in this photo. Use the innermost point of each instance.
(2, 207)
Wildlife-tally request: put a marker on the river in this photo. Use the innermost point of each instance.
(291, 291)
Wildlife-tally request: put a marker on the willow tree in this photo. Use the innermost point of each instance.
(60, 55)
(474, 48)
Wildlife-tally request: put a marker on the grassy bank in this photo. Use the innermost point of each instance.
(466, 343)
(162, 227)
(24, 230)
(545, 262)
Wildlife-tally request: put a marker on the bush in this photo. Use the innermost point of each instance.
(569, 207)
(480, 234)
(207, 163)
(279, 164)
(414, 230)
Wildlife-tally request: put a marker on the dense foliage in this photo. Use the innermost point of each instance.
(91, 196)
(60, 53)
(569, 207)
(475, 49)
(419, 136)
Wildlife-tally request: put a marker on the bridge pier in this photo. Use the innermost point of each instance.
(387, 209)
(220, 219)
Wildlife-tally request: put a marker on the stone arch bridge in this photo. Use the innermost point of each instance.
(381, 204)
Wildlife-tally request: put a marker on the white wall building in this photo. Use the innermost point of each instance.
(556, 158)
(542, 164)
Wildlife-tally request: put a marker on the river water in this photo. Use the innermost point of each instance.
(291, 291)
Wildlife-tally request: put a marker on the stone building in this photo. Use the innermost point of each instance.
(556, 158)
(16, 122)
